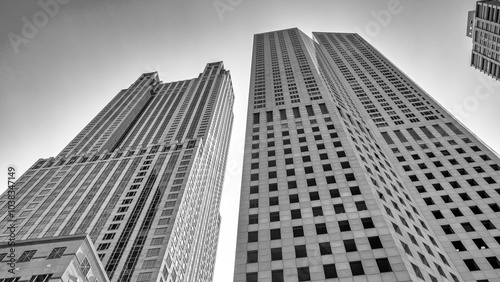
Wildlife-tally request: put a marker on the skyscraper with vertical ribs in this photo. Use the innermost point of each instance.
(142, 182)
(353, 173)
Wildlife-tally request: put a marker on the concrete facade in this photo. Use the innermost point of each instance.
(353, 173)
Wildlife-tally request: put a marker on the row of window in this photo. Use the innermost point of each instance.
(26, 256)
(321, 228)
(330, 271)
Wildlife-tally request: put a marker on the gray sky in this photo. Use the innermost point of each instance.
(55, 78)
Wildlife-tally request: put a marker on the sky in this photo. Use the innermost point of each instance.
(62, 61)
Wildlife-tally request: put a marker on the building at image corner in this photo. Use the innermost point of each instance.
(353, 173)
(483, 26)
(140, 184)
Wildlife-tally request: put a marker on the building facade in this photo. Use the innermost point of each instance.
(142, 180)
(483, 26)
(353, 173)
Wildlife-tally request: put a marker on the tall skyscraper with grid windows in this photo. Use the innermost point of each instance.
(353, 173)
(483, 26)
(135, 195)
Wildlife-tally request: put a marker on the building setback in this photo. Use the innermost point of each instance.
(142, 180)
(353, 173)
(483, 26)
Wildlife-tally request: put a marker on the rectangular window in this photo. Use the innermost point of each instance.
(357, 268)
(269, 116)
(256, 118)
(440, 130)
(413, 134)
(323, 108)
(330, 271)
(400, 135)
(427, 132)
(310, 110)
(387, 138)
(283, 114)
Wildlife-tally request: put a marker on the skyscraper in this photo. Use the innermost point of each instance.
(351, 171)
(483, 27)
(142, 181)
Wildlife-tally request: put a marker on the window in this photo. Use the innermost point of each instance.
(252, 256)
(437, 214)
(350, 245)
(339, 208)
(495, 263)
(367, 223)
(252, 277)
(314, 196)
(494, 207)
(468, 227)
(471, 264)
(321, 228)
(480, 243)
(459, 246)
(325, 248)
(254, 203)
(418, 273)
(361, 206)
(300, 251)
(269, 116)
(356, 268)
(34, 278)
(303, 274)
(85, 267)
(294, 198)
(334, 193)
(375, 242)
(355, 190)
(254, 189)
(277, 275)
(276, 254)
(292, 184)
(253, 236)
(298, 231)
(344, 225)
(330, 179)
(56, 253)
(275, 234)
(487, 224)
(108, 236)
(317, 211)
(274, 216)
(383, 265)
(406, 248)
(27, 256)
(102, 247)
(476, 210)
(253, 219)
(295, 214)
(330, 271)
(456, 212)
(273, 201)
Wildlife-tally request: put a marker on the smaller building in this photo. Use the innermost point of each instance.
(67, 258)
(483, 26)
